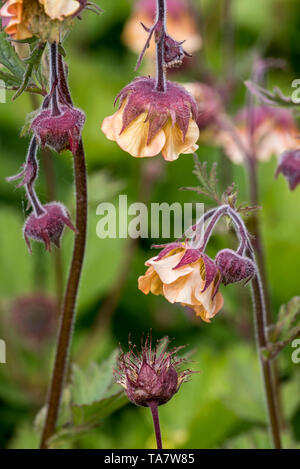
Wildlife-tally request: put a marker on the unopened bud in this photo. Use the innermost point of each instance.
(289, 166)
(234, 267)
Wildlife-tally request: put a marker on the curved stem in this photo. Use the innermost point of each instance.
(68, 312)
(154, 411)
(54, 78)
(160, 33)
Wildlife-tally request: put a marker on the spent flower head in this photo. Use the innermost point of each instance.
(151, 375)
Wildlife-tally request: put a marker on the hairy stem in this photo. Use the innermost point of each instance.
(54, 78)
(160, 33)
(266, 366)
(68, 312)
(154, 411)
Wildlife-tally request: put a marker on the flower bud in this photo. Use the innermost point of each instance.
(34, 317)
(289, 166)
(150, 376)
(59, 132)
(234, 267)
(48, 227)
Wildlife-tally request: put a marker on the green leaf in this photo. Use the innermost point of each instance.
(94, 392)
(9, 58)
(33, 63)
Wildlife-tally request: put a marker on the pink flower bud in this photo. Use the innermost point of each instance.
(48, 227)
(289, 166)
(148, 376)
(234, 267)
(59, 132)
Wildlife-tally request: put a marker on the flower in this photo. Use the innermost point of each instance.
(12, 13)
(35, 317)
(59, 132)
(234, 267)
(149, 122)
(48, 227)
(186, 276)
(289, 166)
(274, 131)
(18, 15)
(181, 25)
(150, 376)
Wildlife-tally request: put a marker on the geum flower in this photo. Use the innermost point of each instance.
(149, 121)
(17, 14)
(186, 276)
(289, 166)
(273, 131)
(181, 25)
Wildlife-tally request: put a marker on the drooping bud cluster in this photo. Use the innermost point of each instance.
(289, 166)
(58, 125)
(48, 227)
(149, 122)
(150, 375)
(35, 318)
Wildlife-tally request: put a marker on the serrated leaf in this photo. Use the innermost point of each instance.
(33, 62)
(94, 393)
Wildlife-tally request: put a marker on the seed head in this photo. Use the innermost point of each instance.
(150, 376)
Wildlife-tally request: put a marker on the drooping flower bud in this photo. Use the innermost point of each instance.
(150, 376)
(48, 227)
(149, 122)
(35, 317)
(289, 166)
(59, 132)
(234, 267)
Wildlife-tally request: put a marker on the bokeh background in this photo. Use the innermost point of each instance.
(223, 405)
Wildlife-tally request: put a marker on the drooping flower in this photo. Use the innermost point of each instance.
(48, 227)
(186, 276)
(150, 376)
(289, 166)
(149, 121)
(181, 25)
(34, 317)
(19, 15)
(59, 132)
(273, 131)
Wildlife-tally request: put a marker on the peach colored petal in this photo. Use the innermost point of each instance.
(108, 127)
(60, 9)
(134, 138)
(150, 282)
(174, 145)
(164, 268)
(184, 289)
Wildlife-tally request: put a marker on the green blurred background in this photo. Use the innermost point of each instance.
(223, 405)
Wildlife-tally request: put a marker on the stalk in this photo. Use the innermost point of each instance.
(160, 33)
(154, 411)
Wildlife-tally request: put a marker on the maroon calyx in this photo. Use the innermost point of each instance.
(289, 166)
